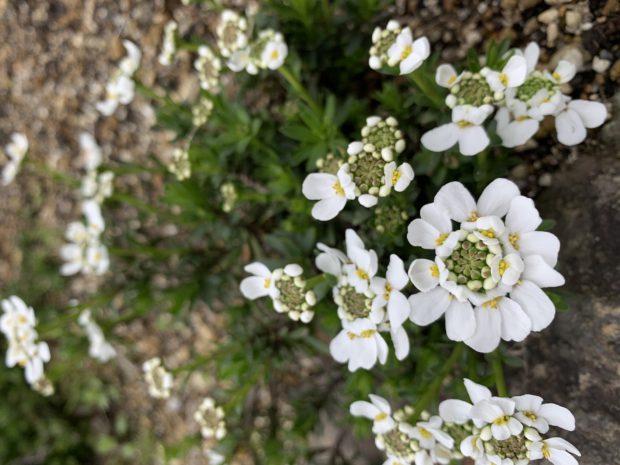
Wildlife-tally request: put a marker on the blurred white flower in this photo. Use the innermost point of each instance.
(331, 191)
(210, 417)
(231, 33)
(158, 379)
(209, 67)
(120, 89)
(169, 47)
(99, 349)
(382, 40)
(409, 54)
(15, 151)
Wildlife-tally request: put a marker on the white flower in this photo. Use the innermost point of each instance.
(364, 263)
(574, 116)
(406, 52)
(158, 379)
(209, 67)
(332, 192)
(214, 457)
(563, 73)
(532, 412)
(555, 450)
(99, 348)
(498, 412)
(398, 178)
(119, 90)
(465, 129)
(513, 74)
(514, 125)
(130, 64)
(16, 151)
(388, 292)
(360, 344)
(18, 319)
(94, 218)
(91, 152)
(433, 230)
(330, 260)
(261, 284)
(429, 433)
(379, 411)
(210, 417)
(180, 165)
(382, 40)
(274, 54)
(169, 47)
(231, 33)
(446, 76)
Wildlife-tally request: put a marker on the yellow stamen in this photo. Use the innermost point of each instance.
(488, 233)
(556, 76)
(514, 240)
(388, 290)
(463, 124)
(434, 271)
(522, 118)
(503, 78)
(425, 433)
(451, 79)
(473, 216)
(531, 415)
(491, 304)
(545, 451)
(406, 52)
(274, 55)
(361, 273)
(381, 416)
(503, 266)
(368, 333)
(441, 239)
(502, 420)
(338, 188)
(267, 283)
(395, 177)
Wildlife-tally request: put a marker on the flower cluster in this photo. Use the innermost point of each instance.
(506, 430)
(367, 304)
(180, 165)
(96, 186)
(395, 46)
(210, 417)
(169, 46)
(490, 430)
(99, 349)
(523, 95)
(288, 290)
(488, 271)
(267, 51)
(425, 443)
(84, 252)
(158, 379)
(369, 173)
(17, 323)
(120, 89)
(15, 151)
(209, 67)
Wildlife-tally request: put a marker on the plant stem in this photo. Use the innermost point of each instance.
(427, 89)
(44, 170)
(498, 373)
(433, 388)
(300, 89)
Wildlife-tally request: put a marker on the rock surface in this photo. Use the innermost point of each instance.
(576, 362)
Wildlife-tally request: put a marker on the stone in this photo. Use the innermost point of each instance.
(549, 16)
(573, 21)
(600, 65)
(553, 31)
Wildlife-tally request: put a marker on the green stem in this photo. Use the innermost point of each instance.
(146, 91)
(498, 373)
(428, 89)
(44, 170)
(433, 388)
(300, 89)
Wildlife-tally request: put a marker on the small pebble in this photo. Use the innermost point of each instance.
(548, 16)
(545, 180)
(552, 34)
(600, 65)
(573, 21)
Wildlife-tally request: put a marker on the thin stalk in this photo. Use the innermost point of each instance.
(427, 89)
(46, 171)
(498, 373)
(433, 388)
(300, 89)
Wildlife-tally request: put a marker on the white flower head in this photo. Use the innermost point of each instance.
(158, 379)
(119, 90)
(208, 66)
(15, 151)
(513, 74)
(556, 450)
(572, 117)
(331, 191)
(274, 53)
(388, 292)
(409, 54)
(210, 417)
(180, 165)
(359, 344)
(531, 411)
(231, 33)
(130, 64)
(91, 152)
(378, 410)
(382, 40)
(169, 47)
(465, 129)
(99, 349)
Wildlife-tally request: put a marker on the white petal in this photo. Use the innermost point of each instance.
(570, 128)
(456, 200)
(398, 309)
(427, 307)
(535, 304)
(421, 233)
(368, 200)
(592, 114)
(363, 355)
(557, 415)
(528, 402)
(455, 411)
(406, 176)
(421, 274)
(328, 209)
(328, 264)
(361, 408)
(254, 287)
(540, 272)
(531, 53)
(562, 444)
(441, 138)
(382, 349)
(541, 243)
(460, 320)
(293, 270)
(473, 140)
(257, 269)
(518, 133)
(522, 216)
(515, 70)
(476, 392)
(496, 198)
(445, 75)
(319, 186)
(515, 323)
(564, 72)
(396, 275)
(560, 457)
(401, 342)
(437, 217)
(487, 335)
(340, 347)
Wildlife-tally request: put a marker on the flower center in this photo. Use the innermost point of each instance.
(492, 305)
(395, 177)
(514, 448)
(367, 171)
(397, 445)
(513, 238)
(503, 78)
(274, 55)
(467, 265)
(441, 239)
(534, 83)
(292, 292)
(387, 291)
(338, 188)
(381, 416)
(472, 89)
(354, 304)
(406, 52)
(382, 135)
(361, 273)
(531, 415)
(425, 433)
(366, 334)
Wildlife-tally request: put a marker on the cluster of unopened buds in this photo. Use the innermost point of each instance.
(286, 287)
(490, 430)
(18, 323)
(15, 152)
(211, 419)
(120, 89)
(159, 380)
(370, 171)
